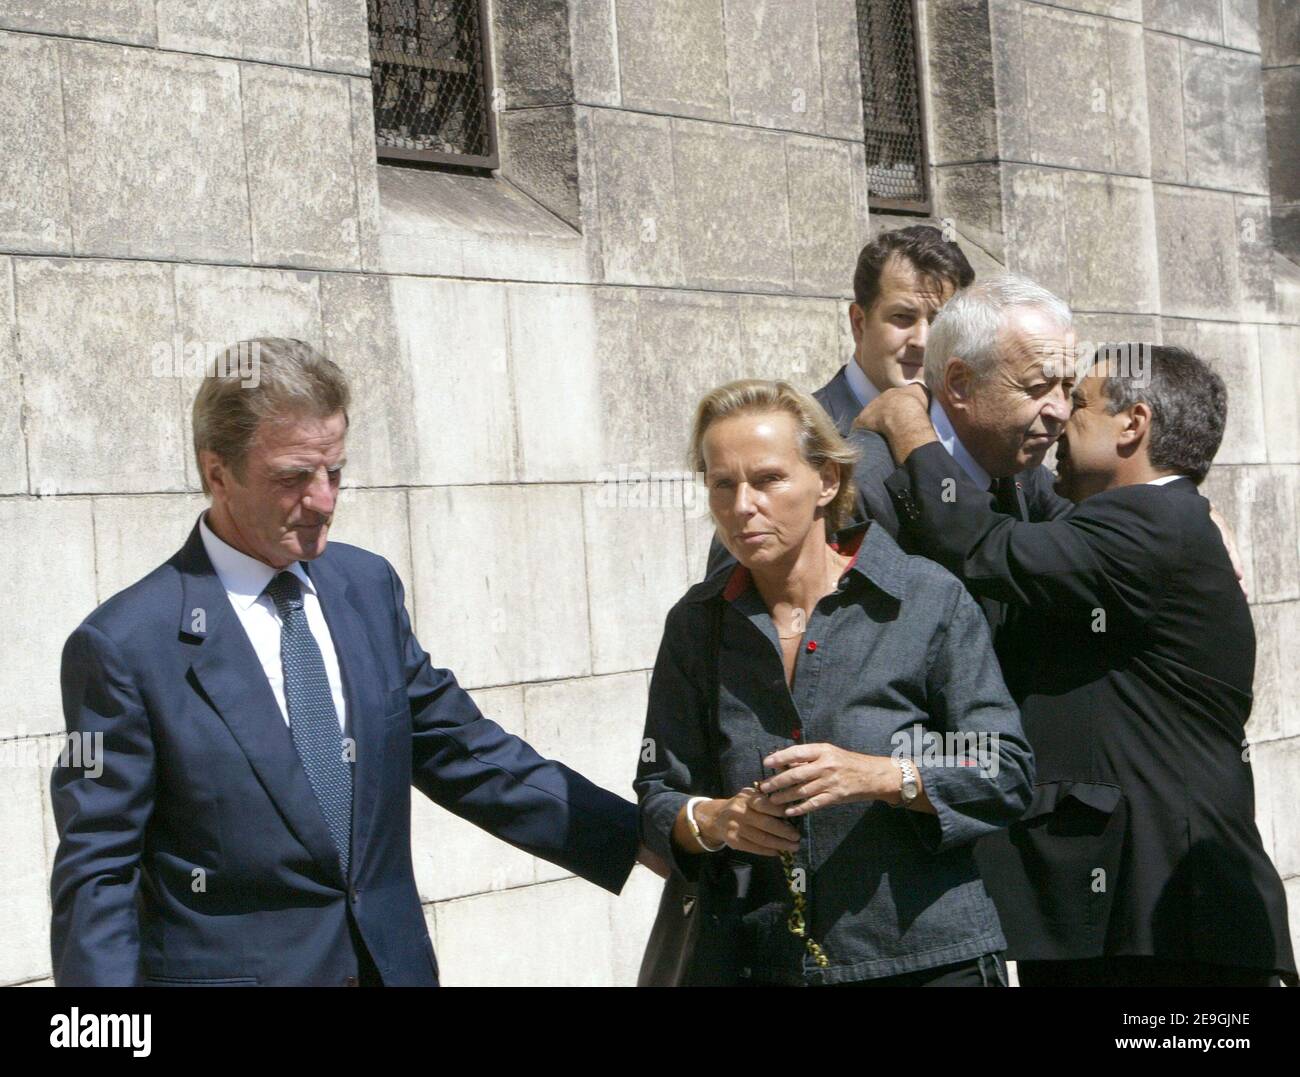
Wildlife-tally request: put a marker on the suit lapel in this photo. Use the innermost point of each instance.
(228, 672)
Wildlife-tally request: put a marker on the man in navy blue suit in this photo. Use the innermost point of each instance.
(264, 710)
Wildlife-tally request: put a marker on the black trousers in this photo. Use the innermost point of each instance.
(1139, 972)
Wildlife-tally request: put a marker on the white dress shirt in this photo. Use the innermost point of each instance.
(245, 578)
(859, 382)
(950, 441)
(1162, 480)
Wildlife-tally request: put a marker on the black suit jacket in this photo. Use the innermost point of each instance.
(1132, 655)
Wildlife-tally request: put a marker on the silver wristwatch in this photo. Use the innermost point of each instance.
(909, 781)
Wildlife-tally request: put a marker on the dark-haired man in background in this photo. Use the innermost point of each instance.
(1132, 657)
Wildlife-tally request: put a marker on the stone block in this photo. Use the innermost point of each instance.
(1105, 328)
(795, 340)
(556, 378)
(1241, 20)
(1256, 267)
(539, 154)
(1196, 236)
(634, 916)
(732, 201)
(971, 197)
(1279, 32)
(1231, 490)
(452, 857)
(453, 343)
(636, 563)
(50, 539)
(837, 44)
(267, 30)
(1128, 108)
(1287, 634)
(1285, 226)
(302, 187)
(962, 54)
(1198, 19)
(1165, 107)
(93, 335)
(24, 899)
(1273, 534)
(773, 66)
(1111, 243)
(687, 79)
(1282, 105)
(377, 520)
(361, 335)
(131, 21)
(34, 174)
(594, 48)
(483, 611)
(13, 442)
(532, 67)
(1279, 358)
(218, 305)
(1115, 9)
(1233, 352)
(155, 154)
(1223, 119)
(134, 535)
(340, 35)
(366, 169)
(1036, 218)
(1271, 674)
(557, 934)
(828, 215)
(1275, 765)
(637, 206)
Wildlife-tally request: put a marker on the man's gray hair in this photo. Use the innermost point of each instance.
(291, 380)
(970, 323)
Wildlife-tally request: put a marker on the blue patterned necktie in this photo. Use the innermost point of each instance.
(313, 721)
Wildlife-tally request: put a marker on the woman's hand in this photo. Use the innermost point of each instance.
(818, 775)
(748, 822)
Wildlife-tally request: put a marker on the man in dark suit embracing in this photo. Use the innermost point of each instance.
(1130, 649)
(264, 710)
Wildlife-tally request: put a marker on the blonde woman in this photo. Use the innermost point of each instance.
(829, 713)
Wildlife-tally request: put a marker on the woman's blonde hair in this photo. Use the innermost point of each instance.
(819, 441)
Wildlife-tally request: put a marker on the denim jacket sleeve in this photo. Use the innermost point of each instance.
(976, 786)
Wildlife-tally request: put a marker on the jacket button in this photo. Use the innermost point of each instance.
(351, 981)
(797, 733)
(352, 894)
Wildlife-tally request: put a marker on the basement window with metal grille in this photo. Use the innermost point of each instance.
(431, 77)
(897, 176)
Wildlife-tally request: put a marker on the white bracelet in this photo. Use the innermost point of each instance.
(695, 827)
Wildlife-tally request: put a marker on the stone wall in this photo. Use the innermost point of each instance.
(680, 202)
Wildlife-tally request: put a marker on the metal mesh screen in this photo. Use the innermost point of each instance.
(430, 81)
(891, 112)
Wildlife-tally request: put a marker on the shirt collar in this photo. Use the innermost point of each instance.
(243, 577)
(859, 382)
(950, 441)
(1163, 480)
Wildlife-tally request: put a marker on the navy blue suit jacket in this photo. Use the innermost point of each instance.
(200, 854)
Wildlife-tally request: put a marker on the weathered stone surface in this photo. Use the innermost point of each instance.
(1275, 764)
(1036, 226)
(1273, 534)
(361, 335)
(366, 169)
(1279, 357)
(539, 154)
(13, 441)
(1285, 224)
(1013, 116)
(828, 215)
(773, 67)
(1199, 19)
(636, 564)
(453, 341)
(267, 30)
(93, 335)
(1255, 258)
(687, 79)
(216, 306)
(638, 902)
(1111, 243)
(113, 20)
(482, 610)
(1116, 9)
(795, 340)
(24, 899)
(1129, 111)
(1231, 490)
(531, 41)
(1279, 32)
(555, 374)
(1241, 24)
(594, 48)
(1233, 352)
(34, 202)
(1224, 119)
(376, 520)
(637, 211)
(1282, 105)
(302, 188)
(47, 539)
(1165, 107)
(962, 89)
(1196, 234)
(155, 154)
(340, 39)
(134, 535)
(1105, 328)
(971, 197)
(837, 43)
(732, 201)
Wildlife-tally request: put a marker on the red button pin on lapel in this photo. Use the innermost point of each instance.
(812, 645)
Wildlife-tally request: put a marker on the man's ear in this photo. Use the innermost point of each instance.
(215, 471)
(857, 322)
(1137, 426)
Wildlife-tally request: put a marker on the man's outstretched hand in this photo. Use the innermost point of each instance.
(902, 418)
